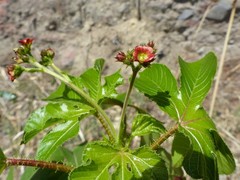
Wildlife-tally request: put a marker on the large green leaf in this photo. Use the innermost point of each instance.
(158, 83)
(196, 80)
(145, 124)
(2, 161)
(109, 163)
(55, 138)
(54, 113)
(207, 152)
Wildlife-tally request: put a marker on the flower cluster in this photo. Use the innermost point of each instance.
(23, 55)
(144, 54)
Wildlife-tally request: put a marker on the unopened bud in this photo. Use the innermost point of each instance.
(47, 56)
(14, 71)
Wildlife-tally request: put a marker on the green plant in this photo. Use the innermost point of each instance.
(197, 147)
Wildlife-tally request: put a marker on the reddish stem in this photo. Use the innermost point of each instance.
(40, 164)
(164, 137)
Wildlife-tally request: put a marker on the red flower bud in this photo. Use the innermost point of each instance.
(121, 56)
(26, 42)
(150, 44)
(143, 54)
(14, 71)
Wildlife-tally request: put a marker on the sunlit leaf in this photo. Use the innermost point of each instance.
(158, 83)
(98, 64)
(55, 138)
(111, 82)
(54, 113)
(200, 154)
(145, 124)
(196, 80)
(109, 163)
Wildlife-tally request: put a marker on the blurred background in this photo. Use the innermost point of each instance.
(80, 31)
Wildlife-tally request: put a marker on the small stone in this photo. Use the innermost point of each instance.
(181, 1)
(220, 11)
(186, 14)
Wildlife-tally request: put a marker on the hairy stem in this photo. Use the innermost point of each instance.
(104, 118)
(123, 123)
(164, 137)
(39, 164)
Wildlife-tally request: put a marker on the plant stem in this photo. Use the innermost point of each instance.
(40, 164)
(109, 128)
(123, 123)
(164, 137)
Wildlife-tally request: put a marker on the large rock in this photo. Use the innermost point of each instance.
(220, 11)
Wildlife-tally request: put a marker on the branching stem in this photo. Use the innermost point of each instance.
(104, 117)
(39, 164)
(164, 137)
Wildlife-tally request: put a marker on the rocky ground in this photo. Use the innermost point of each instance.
(80, 31)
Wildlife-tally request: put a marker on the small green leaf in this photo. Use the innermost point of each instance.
(55, 138)
(145, 124)
(98, 64)
(2, 161)
(91, 79)
(109, 163)
(111, 82)
(64, 93)
(28, 173)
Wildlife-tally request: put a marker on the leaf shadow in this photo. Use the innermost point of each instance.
(161, 98)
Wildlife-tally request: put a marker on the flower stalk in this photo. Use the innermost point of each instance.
(123, 123)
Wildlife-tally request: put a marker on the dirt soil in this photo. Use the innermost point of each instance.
(81, 31)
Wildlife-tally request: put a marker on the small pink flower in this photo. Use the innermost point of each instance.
(26, 42)
(121, 56)
(144, 54)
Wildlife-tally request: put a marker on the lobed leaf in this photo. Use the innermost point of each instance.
(145, 124)
(109, 163)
